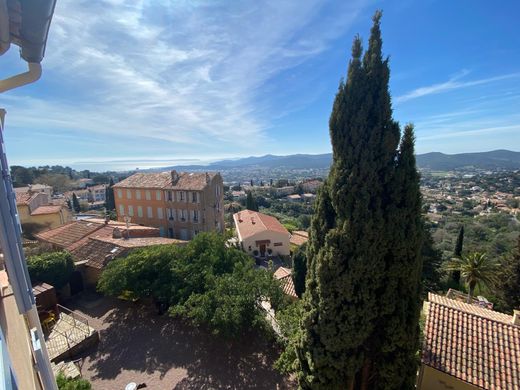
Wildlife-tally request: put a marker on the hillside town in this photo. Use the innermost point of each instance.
(371, 267)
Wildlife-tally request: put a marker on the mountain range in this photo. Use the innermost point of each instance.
(496, 159)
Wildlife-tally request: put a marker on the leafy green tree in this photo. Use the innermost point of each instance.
(204, 281)
(54, 268)
(300, 269)
(251, 202)
(475, 269)
(75, 203)
(65, 383)
(288, 319)
(59, 182)
(458, 253)
(359, 327)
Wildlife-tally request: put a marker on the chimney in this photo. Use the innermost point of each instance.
(116, 233)
(207, 177)
(516, 317)
(175, 176)
(253, 220)
(238, 217)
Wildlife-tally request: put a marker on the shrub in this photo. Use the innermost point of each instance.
(54, 268)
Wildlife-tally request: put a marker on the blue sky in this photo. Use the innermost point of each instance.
(148, 83)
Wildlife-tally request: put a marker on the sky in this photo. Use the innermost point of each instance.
(131, 84)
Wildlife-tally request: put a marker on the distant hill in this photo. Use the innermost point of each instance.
(496, 159)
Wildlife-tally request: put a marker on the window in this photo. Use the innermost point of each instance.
(140, 211)
(195, 232)
(170, 197)
(159, 213)
(195, 216)
(171, 213)
(184, 234)
(158, 195)
(131, 211)
(183, 215)
(128, 194)
(181, 196)
(121, 210)
(278, 244)
(170, 232)
(149, 212)
(148, 195)
(119, 193)
(194, 197)
(138, 194)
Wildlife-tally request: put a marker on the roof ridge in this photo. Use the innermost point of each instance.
(460, 309)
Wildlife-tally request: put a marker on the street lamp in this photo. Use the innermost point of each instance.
(24, 23)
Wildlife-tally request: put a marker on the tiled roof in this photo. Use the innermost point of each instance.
(163, 180)
(66, 235)
(50, 209)
(140, 242)
(249, 223)
(473, 344)
(23, 197)
(299, 237)
(94, 253)
(284, 276)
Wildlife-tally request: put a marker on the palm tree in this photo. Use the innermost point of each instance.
(475, 269)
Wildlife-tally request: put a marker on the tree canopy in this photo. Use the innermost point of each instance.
(54, 268)
(204, 281)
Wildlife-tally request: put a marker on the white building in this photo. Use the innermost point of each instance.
(261, 235)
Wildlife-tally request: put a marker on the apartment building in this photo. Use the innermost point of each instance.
(179, 204)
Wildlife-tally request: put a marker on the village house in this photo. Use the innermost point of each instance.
(34, 188)
(468, 347)
(260, 234)
(284, 275)
(180, 205)
(299, 237)
(36, 209)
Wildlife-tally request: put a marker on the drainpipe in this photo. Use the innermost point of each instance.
(33, 74)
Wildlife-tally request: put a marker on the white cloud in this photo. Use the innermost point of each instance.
(183, 72)
(452, 84)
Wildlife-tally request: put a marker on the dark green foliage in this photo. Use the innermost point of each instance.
(362, 299)
(432, 263)
(251, 202)
(65, 383)
(205, 281)
(75, 203)
(110, 202)
(53, 268)
(300, 269)
(508, 280)
(288, 320)
(458, 253)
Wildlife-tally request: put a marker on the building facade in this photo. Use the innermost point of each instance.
(180, 205)
(36, 209)
(261, 235)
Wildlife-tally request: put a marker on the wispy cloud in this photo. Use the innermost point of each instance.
(187, 73)
(454, 83)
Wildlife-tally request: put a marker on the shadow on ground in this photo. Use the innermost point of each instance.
(133, 337)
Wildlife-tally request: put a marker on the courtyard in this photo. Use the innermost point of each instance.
(138, 345)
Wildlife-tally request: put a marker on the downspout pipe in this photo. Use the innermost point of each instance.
(33, 74)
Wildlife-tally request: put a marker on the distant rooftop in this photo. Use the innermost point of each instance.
(168, 180)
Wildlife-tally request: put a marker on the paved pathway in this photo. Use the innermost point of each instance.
(137, 345)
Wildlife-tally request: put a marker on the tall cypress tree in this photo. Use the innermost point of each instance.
(365, 241)
(251, 202)
(110, 202)
(458, 253)
(75, 203)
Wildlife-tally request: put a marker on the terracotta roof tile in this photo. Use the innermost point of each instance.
(249, 223)
(140, 242)
(69, 234)
(163, 180)
(24, 197)
(49, 209)
(471, 343)
(97, 253)
(284, 276)
(299, 237)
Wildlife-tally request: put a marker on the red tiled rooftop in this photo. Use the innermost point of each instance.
(139, 242)
(299, 237)
(49, 209)
(249, 223)
(284, 276)
(473, 344)
(163, 180)
(23, 197)
(66, 235)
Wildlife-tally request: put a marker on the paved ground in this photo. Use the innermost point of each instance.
(137, 345)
